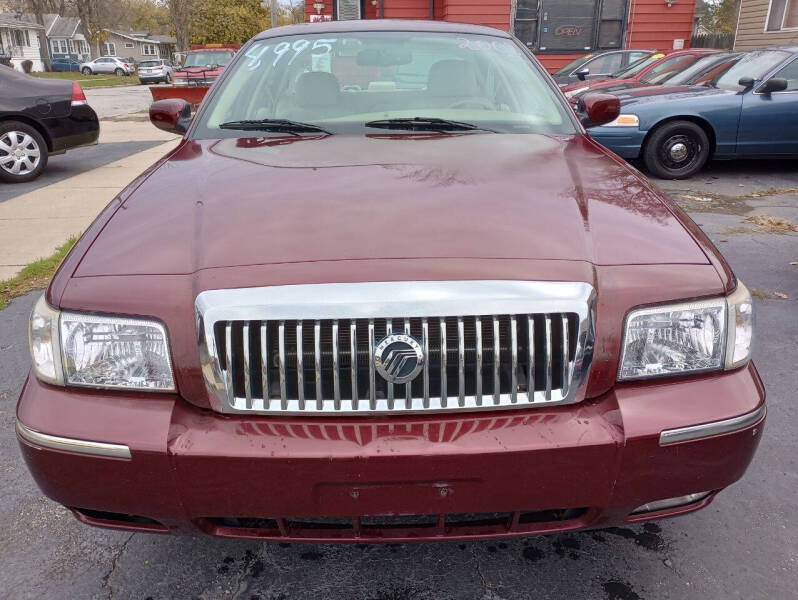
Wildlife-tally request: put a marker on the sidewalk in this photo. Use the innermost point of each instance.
(34, 224)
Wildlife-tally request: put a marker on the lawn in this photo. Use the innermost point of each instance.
(35, 276)
(87, 81)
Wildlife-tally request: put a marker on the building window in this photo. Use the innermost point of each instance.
(109, 49)
(782, 14)
(570, 25)
(21, 37)
(130, 45)
(148, 49)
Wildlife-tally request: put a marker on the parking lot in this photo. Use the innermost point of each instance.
(744, 545)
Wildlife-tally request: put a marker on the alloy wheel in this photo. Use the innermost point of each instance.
(19, 153)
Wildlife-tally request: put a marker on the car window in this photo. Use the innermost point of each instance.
(150, 63)
(204, 59)
(668, 68)
(638, 66)
(605, 64)
(696, 69)
(566, 70)
(342, 81)
(755, 64)
(790, 73)
(635, 56)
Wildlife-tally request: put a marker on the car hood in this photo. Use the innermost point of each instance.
(251, 201)
(673, 93)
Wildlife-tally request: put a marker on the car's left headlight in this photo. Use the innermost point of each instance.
(689, 337)
(116, 352)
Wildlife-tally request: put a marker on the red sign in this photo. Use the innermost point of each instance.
(319, 18)
(569, 30)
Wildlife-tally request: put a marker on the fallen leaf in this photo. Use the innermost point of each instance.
(795, 262)
(781, 295)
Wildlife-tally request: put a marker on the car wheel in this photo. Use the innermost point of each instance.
(119, 72)
(23, 152)
(676, 150)
(86, 71)
(168, 78)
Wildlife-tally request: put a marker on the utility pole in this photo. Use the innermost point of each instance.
(274, 7)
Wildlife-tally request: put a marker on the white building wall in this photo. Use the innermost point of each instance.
(22, 53)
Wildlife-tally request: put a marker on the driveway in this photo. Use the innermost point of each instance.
(745, 545)
(119, 100)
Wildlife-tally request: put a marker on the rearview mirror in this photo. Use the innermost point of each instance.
(172, 115)
(775, 84)
(582, 73)
(601, 108)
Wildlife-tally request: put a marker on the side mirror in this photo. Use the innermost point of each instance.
(745, 82)
(601, 108)
(774, 84)
(172, 115)
(582, 73)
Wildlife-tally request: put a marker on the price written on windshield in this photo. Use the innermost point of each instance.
(288, 51)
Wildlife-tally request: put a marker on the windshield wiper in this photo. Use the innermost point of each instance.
(426, 124)
(278, 125)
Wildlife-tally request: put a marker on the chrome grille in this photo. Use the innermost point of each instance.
(256, 359)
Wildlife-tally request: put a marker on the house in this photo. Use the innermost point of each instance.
(20, 41)
(557, 31)
(66, 37)
(138, 45)
(766, 23)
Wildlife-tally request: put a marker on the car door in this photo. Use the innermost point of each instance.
(603, 65)
(769, 122)
(101, 65)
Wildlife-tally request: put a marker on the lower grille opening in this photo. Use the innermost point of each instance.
(546, 516)
(398, 521)
(245, 523)
(320, 523)
(477, 519)
(101, 517)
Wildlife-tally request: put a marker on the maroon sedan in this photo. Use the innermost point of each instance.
(386, 288)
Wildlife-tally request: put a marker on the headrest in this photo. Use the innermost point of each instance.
(452, 78)
(317, 88)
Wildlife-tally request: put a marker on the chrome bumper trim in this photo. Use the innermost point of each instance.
(694, 432)
(72, 445)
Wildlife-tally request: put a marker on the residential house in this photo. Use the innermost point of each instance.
(557, 31)
(66, 37)
(20, 41)
(766, 23)
(138, 45)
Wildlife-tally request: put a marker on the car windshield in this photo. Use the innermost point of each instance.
(696, 69)
(203, 59)
(375, 82)
(755, 64)
(150, 63)
(636, 67)
(573, 64)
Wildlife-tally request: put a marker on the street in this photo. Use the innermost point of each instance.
(744, 545)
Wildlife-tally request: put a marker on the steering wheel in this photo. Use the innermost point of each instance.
(472, 102)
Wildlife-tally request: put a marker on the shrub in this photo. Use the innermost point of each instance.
(27, 65)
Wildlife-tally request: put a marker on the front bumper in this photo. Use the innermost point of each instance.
(390, 479)
(626, 142)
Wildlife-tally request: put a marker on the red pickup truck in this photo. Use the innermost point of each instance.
(387, 288)
(204, 63)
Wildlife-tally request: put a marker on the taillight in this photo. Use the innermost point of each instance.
(127, 66)
(78, 97)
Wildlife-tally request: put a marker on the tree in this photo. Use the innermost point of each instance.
(718, 16)
(229, 21)
(153, 17)
(184, 13)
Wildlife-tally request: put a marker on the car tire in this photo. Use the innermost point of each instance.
(86, 71)
(27, 153)
(168, 78)
(676, 150)
(118, 72)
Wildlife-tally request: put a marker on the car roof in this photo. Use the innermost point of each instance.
(381, 25)
(784, 48)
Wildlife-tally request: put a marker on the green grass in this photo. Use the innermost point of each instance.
(87, 81)
(35, 276)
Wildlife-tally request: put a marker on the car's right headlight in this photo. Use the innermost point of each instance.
(628, 120)
(688, 337)
(111, 352)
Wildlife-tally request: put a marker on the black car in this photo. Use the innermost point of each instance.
(38, 118)
(597, 64)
